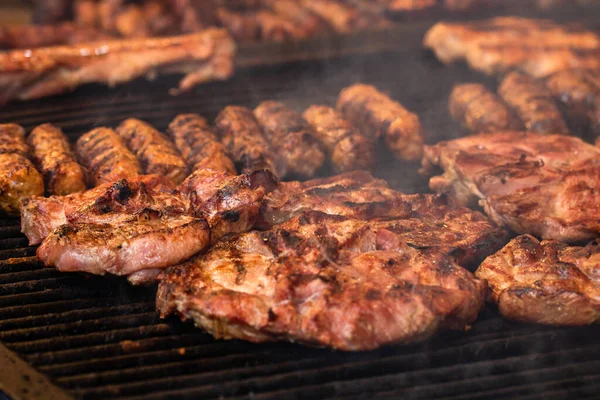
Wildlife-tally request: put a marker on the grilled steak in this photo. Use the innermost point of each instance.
(156, 153)
(377, 115)
(292, 138)
(533, 103)
(545, 282)
(348, 148)
(30, 74)
(537, 47)
(106, 157)
(544, 185)
(478, 110)
(318, 281)
(53, 156)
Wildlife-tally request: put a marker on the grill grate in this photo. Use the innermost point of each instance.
(98, 338)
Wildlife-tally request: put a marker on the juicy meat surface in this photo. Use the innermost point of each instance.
(348, 148)
(12, 140)
(377, 115)
(52, 154)
(30, 74)
(533, 102)
(198, 145)
(308, 281)
(478, 110)
(545, 282)
(291, 137)
(544, 185)
(498, 45)
(106, 157)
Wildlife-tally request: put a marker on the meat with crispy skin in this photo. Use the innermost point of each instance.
(198, 145)
(348, 148)
(546, 282)
(544, 185)
(30, 74)
(377, 115)
(478, 110)
(291, 137)
(53, 156)
(321, 282)
(106, 157)
(533, 103)
(156, 153)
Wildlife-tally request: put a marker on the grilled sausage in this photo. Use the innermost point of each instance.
(479, 110)
(106, 157)
(198, 145)
(242, 136)
(347, 147)
(18, 176)
(376, 115)
(156, 153)
(533, 103)
(292, 137)
(53, 156)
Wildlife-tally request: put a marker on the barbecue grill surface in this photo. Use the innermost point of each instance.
(72, 335)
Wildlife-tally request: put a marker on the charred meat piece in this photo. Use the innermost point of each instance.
(498, 45)
(340, 17)
(533, 103)
(30, 74)
(354, 294)
(53, 156)
(146, 241)
(377, 115)
(106, 204)
(230, 203)
(347, 147)
(291, 137)
(156, 153)
(544, 185)
(106, 157)
(242, 136)
(198, 145)
(478, 110)
(545, 282)
(12, 140)
(32, 36)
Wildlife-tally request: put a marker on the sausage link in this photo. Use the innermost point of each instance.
(12, 140)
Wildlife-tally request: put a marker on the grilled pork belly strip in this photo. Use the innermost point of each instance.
(291, 137)
(30, 74)
(545, 282)
(376, 115)
(544, 185)
(533, 103)
(106, 157)
(198, 145)
(154, 150)
(320, 281)
(478, 110)
(53, 156)
(348, 149)
(242, 136)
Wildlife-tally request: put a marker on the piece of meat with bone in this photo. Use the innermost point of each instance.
(544, 185)
(34, 73)
(545, 282)
(319, 283)
(498, 45)
(291, 137)
(243, 137)
(533, 102)
(110, 203)
(156, 153)
(106, 157)
(478, 110)
(377, 115)
(198, 144)
(348, 148)
(53, 156)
